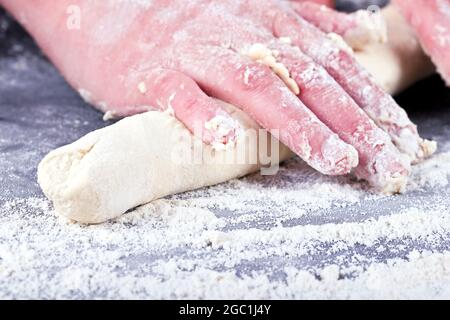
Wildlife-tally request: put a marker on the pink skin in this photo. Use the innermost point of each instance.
(168, 48)
(431, 21)
(358, 29)
(352, 77)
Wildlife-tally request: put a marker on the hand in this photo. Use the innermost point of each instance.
(129, 57)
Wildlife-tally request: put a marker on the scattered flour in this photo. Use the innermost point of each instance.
(433, 172)
(294, 235)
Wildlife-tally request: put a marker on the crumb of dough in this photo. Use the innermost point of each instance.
(224, 129)
(109, 115)
(285, 40)
(395, 185)
(85, 95)
(103, 106)
(261, 54)
(428, 147)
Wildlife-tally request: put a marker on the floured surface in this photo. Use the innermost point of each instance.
(294, 235)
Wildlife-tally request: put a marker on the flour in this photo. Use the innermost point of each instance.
(294, 235)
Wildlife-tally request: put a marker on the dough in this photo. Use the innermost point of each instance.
(140, 158)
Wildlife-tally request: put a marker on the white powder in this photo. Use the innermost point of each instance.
(295, 235)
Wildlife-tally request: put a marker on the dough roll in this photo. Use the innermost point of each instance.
(152, 155)
(143, 158)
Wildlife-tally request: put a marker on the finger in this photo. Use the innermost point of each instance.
(358, 29)
(176, 93)
(263, 96)
(431, 22)
(356, 81)
(380, 162)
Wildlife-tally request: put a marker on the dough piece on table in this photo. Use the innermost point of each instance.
(137, 160)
